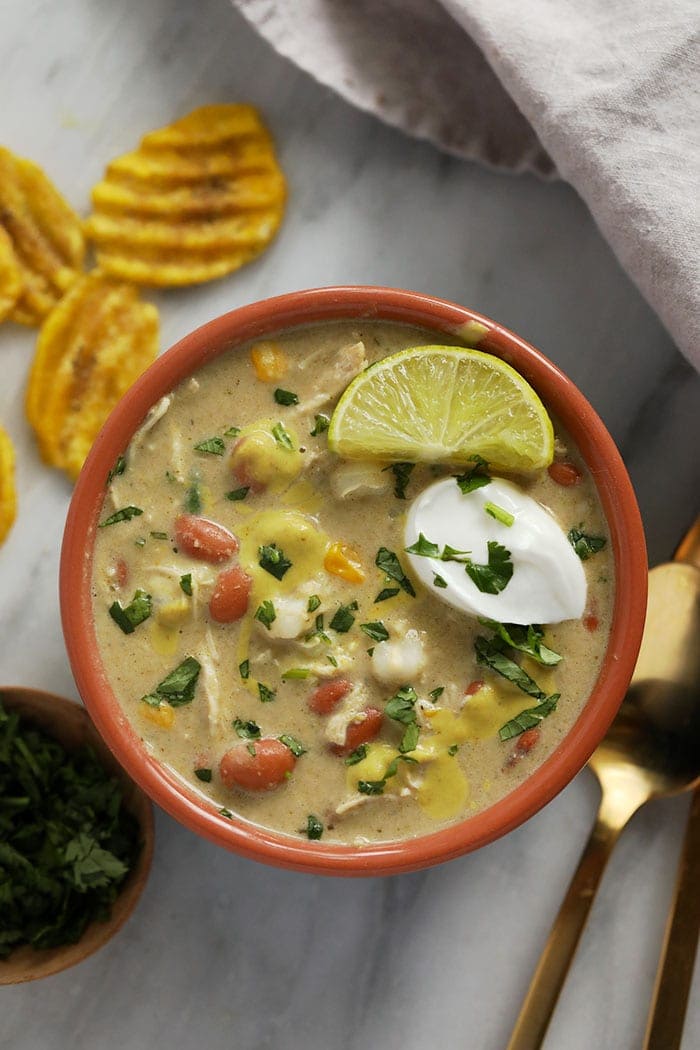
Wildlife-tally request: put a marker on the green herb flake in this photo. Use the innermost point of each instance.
(321, 424)
(244, 669)
(424, 547)
(226, 813)
(125, 514)
(504, 516)
(203, 774)
(294, 745)
(386, 592)
(282, 437)
(246, 730)
(213, 446)
(236, 495)
(490, 653)
(525, 639)
(402, 475)
(343, 618)
(453, 749)
(178, 687)
(159, 535)
(332, 660)
(439, 581)
(314, 827)
(409, 741)
(495, 576)
(232, 432)
(530, 718)
(317, 631)
(401, 706)
(130, 616)
(356, 756)
(585, 545)
(273, 560)
(265, 694)
(117, 470)
(285, 397)
(67, 841)
(370, 651)
(266, 614)
(314, 603)
(375, 630)
(390, 565)
(296, 674)
(475, 478)
(371, 787)
(250, 748)
(193, 498)
(435, 694)
(186, 584)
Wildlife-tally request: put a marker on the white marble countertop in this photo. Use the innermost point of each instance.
(223, 952)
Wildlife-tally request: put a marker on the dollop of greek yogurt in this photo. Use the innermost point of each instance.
(548, 584)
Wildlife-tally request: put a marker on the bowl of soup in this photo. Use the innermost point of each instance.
(338, 659)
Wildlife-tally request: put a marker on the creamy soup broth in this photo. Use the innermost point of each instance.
(307, 501)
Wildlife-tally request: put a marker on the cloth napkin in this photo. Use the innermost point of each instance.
(602, 93)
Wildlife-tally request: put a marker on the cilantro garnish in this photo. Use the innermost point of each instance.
(453, 749)
(203, 774)
(390, 565)
(387, 592)
(130, 616)
(213, 446)
(246, 730)
(314, 602)
(178, 687)
(66, 839)
(186, 584)
(266, 614)
(402, 475)
(118, 469)
(437, 693)
(321, 424)
(273, 560)
(527, 640)
(504, 516)
(343, 618)
(236, 495)
(475, 478)
(125, 514)
(424, 547)
(376, 787)
(528, 719)
(317, 631)
(294, 745)
(585, 545)
(439, 581)
(232, 432)
(356, 756)
(491, 654)
(402, 708)
(266, 695)
(493, 577)
(282, 437)
(159, 535)
(244, 669)
(193, 497)
(285, 397)
(296, 674)
(226, 813)
(375, 630)
(314, 827)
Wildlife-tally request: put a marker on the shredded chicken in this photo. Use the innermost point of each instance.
(209, 683)
(333, 370)
(353, 705)
(398, 659)
(355, 480)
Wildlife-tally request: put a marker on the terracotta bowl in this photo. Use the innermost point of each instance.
(262, 320)
(70, 725)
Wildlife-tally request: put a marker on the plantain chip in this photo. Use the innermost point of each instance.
(11, 282)
(46, 237)
(8, 495)
(195, 201)
(90, 349)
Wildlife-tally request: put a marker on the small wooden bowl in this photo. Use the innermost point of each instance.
(70, 725)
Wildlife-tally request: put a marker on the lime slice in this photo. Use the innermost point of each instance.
(443, 404)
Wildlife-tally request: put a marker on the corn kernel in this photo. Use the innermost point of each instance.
(173, 613)
(269, 361)
(163, 715)
(343, 561)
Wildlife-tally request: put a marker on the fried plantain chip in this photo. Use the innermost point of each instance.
(46, 237)
(8, 495)
(90, 350)
(11, 282)
(195, 201)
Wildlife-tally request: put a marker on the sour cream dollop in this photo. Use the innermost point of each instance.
(548, 584)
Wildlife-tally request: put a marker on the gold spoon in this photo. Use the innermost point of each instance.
(652, 750)
(70, 724)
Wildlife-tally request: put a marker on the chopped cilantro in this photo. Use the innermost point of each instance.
(409, 740)
(321, 424)
(526, 639)
(475, 478)
(371, 787)
(266, 695)
(296, 673)
(390, 565)
(332, 660)
(314, 602)
(266, 614)
(437, 693)
(232, 432)
(285, 397)
(504, 516)
(356, 756)
(178, 687)
(585, 545)
(244, 669)
(294, 745)
(186, 583)
(250, 748)
(493, 577)
(491, 654)
(159, 535)
(529, 719)
(424, 547)
(343, 618)
(193, 497)
(213, 446)
(317, 631)
(439, 581)
(282, 437)
(375, 630)
(226, 813)
(131, 615)
(401, 706)
(125, 514)
(203, 774)
(236, 495)
(314, 827)
(386, 592)
(273, 560)
(402, 474)
(246, 730)
(453, 749)
(118, 469)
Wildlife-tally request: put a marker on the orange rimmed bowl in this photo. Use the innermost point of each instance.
(262, 320)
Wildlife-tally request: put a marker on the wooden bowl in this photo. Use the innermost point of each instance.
(70, 725)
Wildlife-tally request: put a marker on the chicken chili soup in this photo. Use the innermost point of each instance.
(362, 646)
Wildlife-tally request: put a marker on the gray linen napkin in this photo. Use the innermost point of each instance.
(605, 93)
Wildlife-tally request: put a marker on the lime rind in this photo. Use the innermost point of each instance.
(443, 404)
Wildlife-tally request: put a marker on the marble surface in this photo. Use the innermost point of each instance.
(222, 952)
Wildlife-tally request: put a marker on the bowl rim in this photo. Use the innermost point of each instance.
(262, 320)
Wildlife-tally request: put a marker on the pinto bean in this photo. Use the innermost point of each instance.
(204, 539)
(259, 766)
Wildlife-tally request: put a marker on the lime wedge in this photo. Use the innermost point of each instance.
(443, 404)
